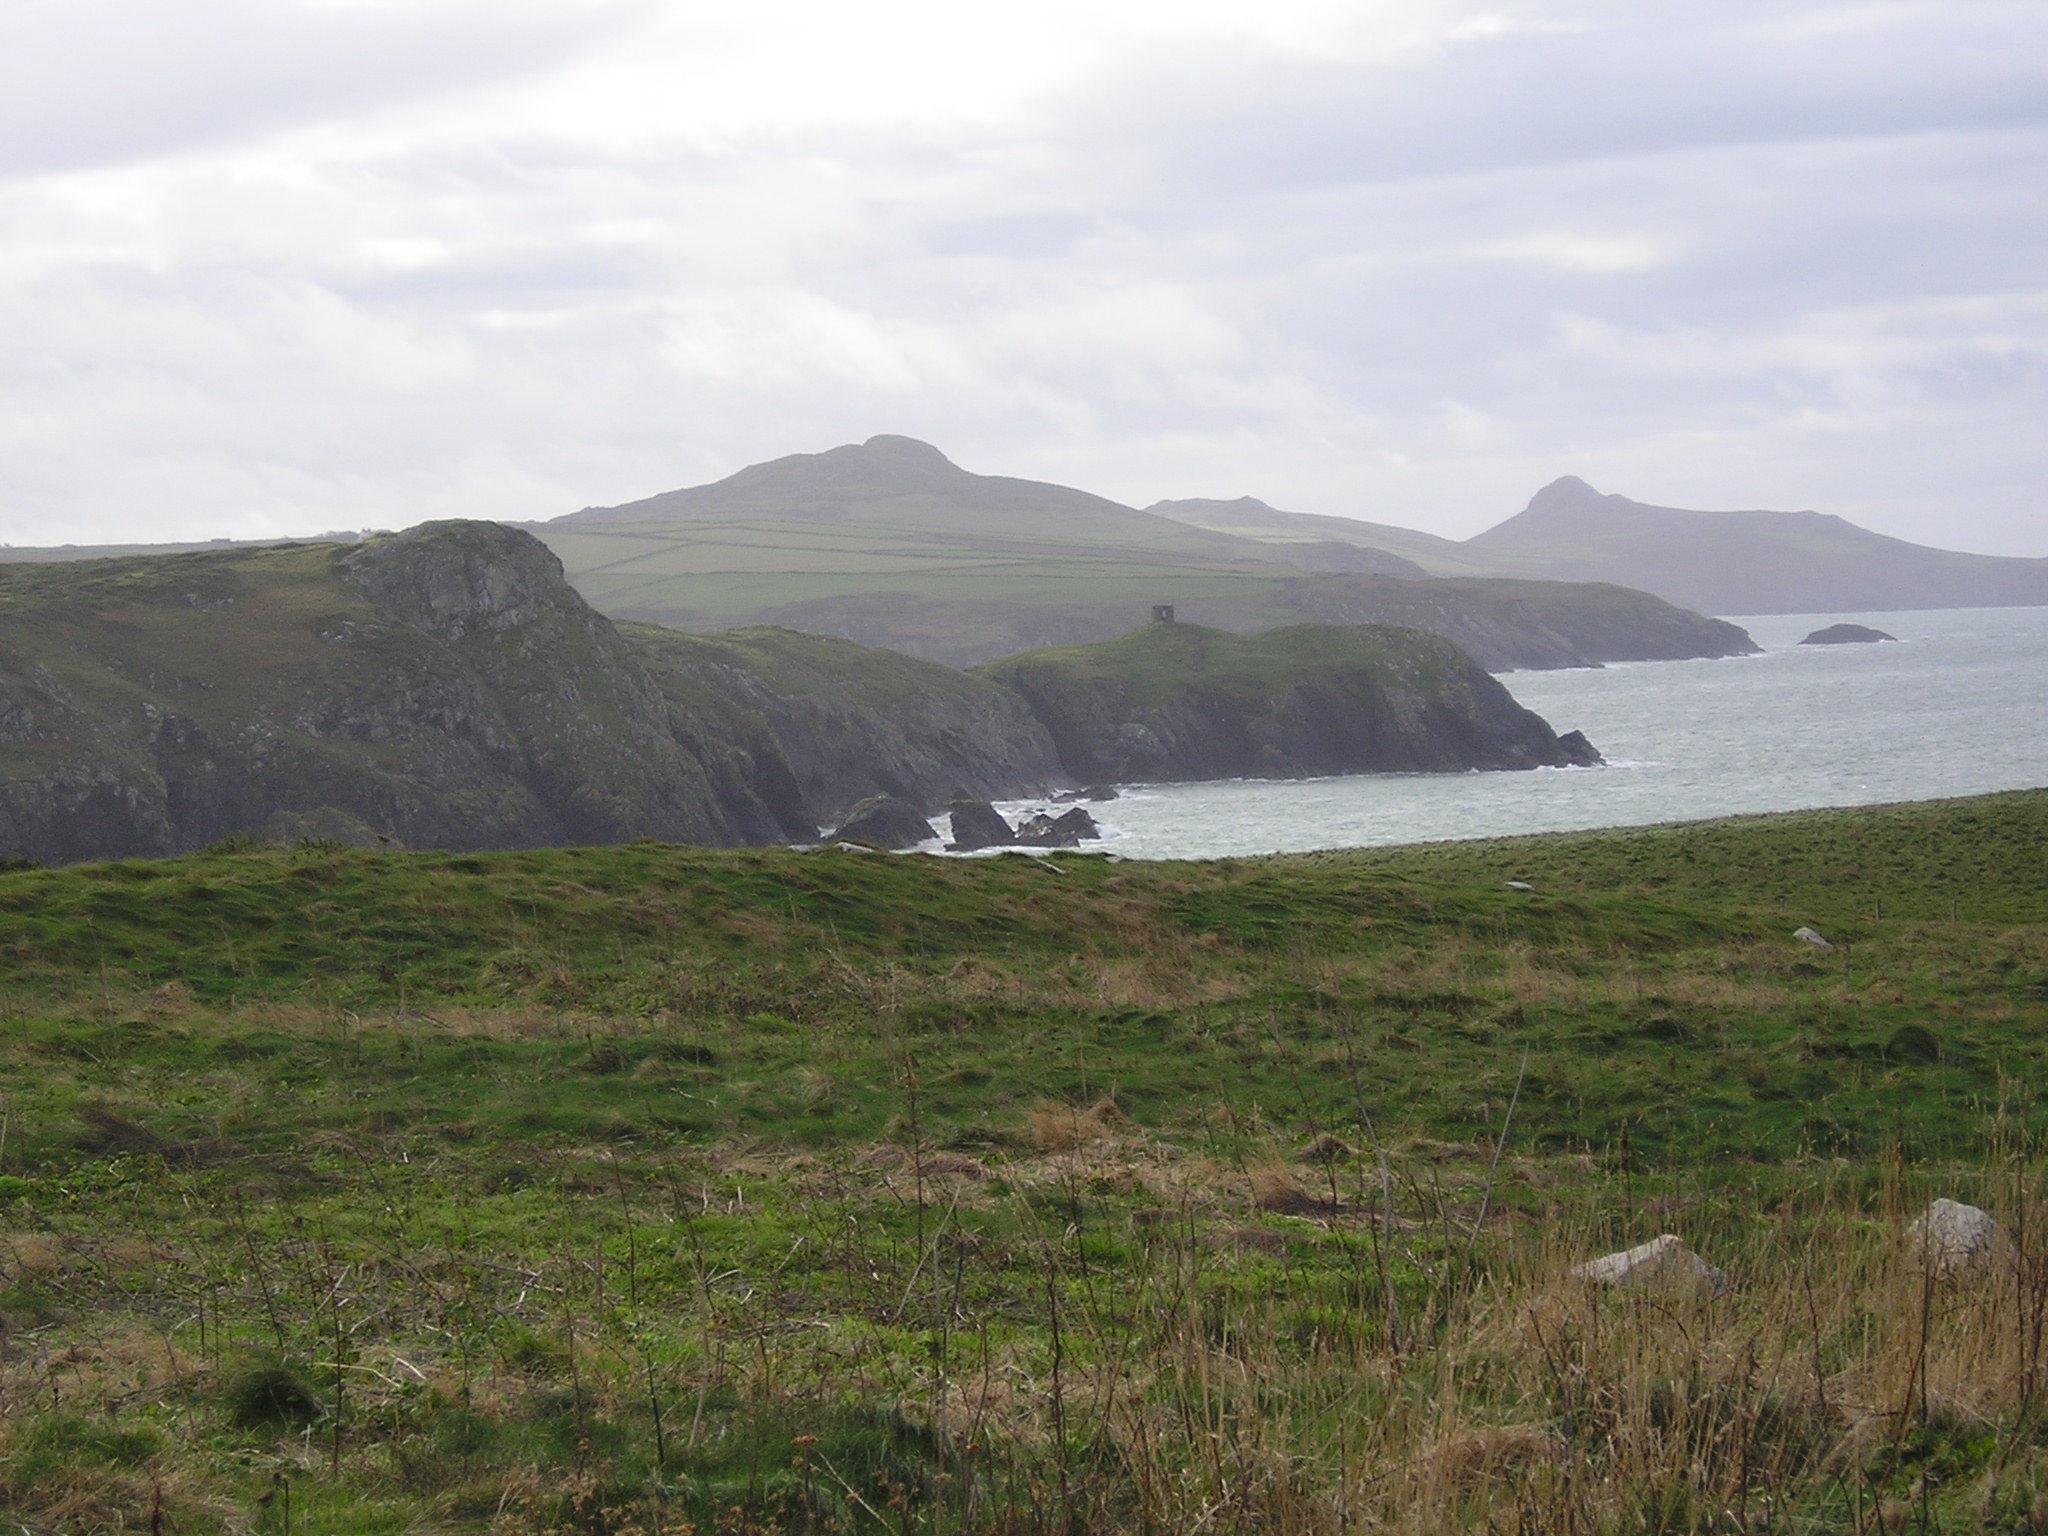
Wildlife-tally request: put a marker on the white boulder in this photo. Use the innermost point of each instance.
(1808, 936)
(1663, 1263)
(1951, 1237)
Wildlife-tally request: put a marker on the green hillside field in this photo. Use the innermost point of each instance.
(891, 544)
(716, 575)
(653, 1188)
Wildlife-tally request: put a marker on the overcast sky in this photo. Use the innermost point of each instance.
(271, 268)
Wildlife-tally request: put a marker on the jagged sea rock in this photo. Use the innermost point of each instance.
(1094, 794)
(1042, 831)
(1952, 1239)
(1069, 829)
(885, 822)
(977, 824)
(1664, 1263)
(1077, 822)
(1579, 752)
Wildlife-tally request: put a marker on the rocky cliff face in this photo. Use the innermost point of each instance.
(445, 687)
(1178, 702)
(853, 722)
(440, 687)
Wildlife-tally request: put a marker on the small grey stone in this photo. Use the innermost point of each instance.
(1951, 1238)
(1663, 1263)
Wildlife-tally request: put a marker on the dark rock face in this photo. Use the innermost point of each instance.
(1579, 752)
(977, 824)
(1043, 831)
(1846, 634)
(852, 721)
(885, 822)
(442, 687)
(1076, 824)
(1176, 702)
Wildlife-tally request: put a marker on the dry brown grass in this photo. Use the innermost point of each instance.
(1538, 1404)
(1327, 1148)
(1065, 1127)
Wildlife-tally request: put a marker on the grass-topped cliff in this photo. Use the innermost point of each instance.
(442, 687)
(446, 687)
(1181, 701)
(658, 1188)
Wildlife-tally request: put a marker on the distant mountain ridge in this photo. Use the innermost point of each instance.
(890, 543)
(902, 483)
(1752, 561)
(1714, 562)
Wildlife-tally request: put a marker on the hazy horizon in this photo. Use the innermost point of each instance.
(349, 263)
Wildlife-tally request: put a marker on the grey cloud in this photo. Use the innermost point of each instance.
(1699, 77)
(94, 82)
(1328, 287)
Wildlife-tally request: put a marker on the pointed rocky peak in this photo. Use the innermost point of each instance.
(806, 484)
(1565, 508)
(1567, 490)
(904, 452)
(459, 577)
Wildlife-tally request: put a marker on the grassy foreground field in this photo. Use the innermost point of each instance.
(657, 1189)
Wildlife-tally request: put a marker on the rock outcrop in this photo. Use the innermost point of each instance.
(977, 824)
(884, 821)
(1182, 702)
(1095, 794)
(1068, 830)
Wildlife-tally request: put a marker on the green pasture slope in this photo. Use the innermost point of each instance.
(656, 1188)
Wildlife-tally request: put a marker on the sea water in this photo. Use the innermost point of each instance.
(1957, 706)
